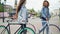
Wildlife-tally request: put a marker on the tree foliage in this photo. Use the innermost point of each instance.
(1, 7)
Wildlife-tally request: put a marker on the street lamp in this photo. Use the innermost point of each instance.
(0, 0)
(59, 13)
(4, 10)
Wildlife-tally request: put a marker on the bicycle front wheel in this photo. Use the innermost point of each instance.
(27, 30)
(3, 30)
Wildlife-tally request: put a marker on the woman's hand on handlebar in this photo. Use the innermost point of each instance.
(15, 16)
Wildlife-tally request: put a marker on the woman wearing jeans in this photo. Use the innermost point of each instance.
(21, 14)
(45, 15)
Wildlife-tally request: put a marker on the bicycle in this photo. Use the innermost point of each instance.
(6, 29)
(43, 28)
(28, 24)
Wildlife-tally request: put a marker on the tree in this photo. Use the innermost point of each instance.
(31, 10)
(0, 1)
(4, 0)
(1, 7)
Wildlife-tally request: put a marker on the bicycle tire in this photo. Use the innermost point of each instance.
(49, 26)
(32, 26)
(5, 30)
(24, 29)
(55, 26)
(58, 29)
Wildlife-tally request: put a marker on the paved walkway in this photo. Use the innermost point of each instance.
(37, 23)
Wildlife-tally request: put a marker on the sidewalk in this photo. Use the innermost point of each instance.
(37, 23)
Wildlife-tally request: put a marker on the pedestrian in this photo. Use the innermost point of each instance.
(21, 14)
(45, 15)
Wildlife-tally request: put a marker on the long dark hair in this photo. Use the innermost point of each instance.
(44, 3)
(21, 2)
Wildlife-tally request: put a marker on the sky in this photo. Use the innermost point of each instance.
(36, 4)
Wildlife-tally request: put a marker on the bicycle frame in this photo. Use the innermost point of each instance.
(42, 28)
(16, 24)
(48, 25)
(8, 27)
(11, 19)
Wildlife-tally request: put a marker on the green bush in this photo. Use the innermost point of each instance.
(1, 7)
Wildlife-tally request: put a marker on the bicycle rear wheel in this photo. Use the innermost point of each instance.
(54, 29)
(27, 30)
(3, 30)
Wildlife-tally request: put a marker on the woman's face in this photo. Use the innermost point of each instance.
(45, 4)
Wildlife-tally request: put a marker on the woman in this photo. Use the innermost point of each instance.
(45, 15)
(21, 13)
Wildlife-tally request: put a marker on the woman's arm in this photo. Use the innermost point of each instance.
(19, 7)
(43, 12)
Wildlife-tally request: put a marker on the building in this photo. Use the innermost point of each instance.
(56, 12)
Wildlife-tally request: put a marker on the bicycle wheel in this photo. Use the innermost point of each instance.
(54, 28)
(3, 30)
(27, 29)
(32, 26)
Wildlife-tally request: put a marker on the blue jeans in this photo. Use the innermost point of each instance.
(23, 26)
(46, 27)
